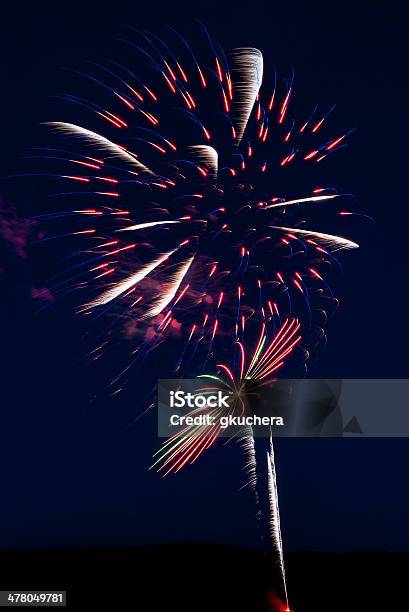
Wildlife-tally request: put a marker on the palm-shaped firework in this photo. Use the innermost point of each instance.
(186, 446)
(194, 196)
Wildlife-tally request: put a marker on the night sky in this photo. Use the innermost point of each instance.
(74, 460)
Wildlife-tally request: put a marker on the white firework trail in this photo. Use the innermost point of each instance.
(170, 290)
(335, 243)
(128, 283)
(140, 226)
(274, 520)
(100, 142)
(247, 74)
(250, 468)
(301, 201)
(204, 154)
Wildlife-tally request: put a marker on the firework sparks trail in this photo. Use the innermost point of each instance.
(274, 522)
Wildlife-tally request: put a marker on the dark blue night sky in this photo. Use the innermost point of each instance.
(74, 461)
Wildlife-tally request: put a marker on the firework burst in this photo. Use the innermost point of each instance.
(267, 359)
(186, 168)
(188, 444)
(185, 198)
